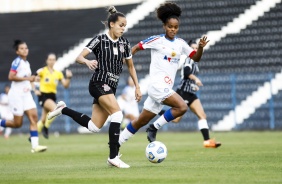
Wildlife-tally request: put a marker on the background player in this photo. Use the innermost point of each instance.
(19, 96)
(49, 78)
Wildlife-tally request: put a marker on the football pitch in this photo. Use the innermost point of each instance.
(245, 157)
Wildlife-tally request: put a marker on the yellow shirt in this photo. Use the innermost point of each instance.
(48, 80)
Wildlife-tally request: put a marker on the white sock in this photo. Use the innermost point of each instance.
(202, 123)
(34, 142)
(124, 136)
(8, 131)
(161, 121)
(92, 127)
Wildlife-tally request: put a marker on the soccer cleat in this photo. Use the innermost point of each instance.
(211, 143)
(39, 149)
(45, 132)
(57, 111)
(151, 133)
(117, 162)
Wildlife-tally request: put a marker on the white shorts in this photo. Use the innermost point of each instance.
(20, 102)
(157, 94)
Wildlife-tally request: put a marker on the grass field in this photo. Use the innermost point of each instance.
(245, 157)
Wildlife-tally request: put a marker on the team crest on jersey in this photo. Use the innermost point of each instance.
(173, 54)
(121, 48)
(106, 87)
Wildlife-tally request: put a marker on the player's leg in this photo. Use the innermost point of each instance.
(32, 116)
(30, 110)
(48, 106)
(178, 108)
(8, 132)
(135, 125)
(197, 108)
(16, 123)
(110, 104)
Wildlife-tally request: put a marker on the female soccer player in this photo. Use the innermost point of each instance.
(19, 96)
(49, 78)
(187, 88)
(110, 50)
(166, 50)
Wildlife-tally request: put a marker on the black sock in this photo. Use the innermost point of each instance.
(205, 133)
(114, 131)
(78, 117)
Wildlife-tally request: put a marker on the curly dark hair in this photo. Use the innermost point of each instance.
(168, 10)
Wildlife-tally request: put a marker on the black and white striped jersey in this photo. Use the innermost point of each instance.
(110, 55)
(187, 84)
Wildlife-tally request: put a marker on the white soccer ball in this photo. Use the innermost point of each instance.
(156, 152)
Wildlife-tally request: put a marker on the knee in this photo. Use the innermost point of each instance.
(18, 124)
(117, 117)
(183, 108)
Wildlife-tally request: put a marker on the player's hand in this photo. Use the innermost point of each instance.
(92, 64)
(198, 82)
(138, 94)
(68, 73)
(203, 41)
(31, 78)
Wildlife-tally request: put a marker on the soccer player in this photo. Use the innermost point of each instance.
(110, 50)
(166, 50)
(187, 89)
(49, 78)
(19, 96)
(5, 112)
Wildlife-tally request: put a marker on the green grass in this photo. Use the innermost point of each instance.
(245, 157)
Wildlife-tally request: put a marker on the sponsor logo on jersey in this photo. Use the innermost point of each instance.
(169, 59)
(173, 54)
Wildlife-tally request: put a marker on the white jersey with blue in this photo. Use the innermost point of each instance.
(22, 69)
(165, 56)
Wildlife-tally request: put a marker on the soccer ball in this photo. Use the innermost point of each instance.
(156, 152)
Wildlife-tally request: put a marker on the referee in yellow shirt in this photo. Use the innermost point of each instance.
(49, 78)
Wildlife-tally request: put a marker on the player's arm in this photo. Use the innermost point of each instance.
(196, 79)
(66, 81)
(13, 77)
(92, 64)
(135, 49)
(133, 75)
(203, 42)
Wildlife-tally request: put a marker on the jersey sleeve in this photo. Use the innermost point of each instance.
(39, 72)
(188, 67)
(15, 65)
(93, 43)
(127, 50)
(60, 75)
(149, 43)
(187, 50)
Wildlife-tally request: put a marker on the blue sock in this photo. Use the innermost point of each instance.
(131, 129)
(2, 123)
(168, 115)
(33, 133)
